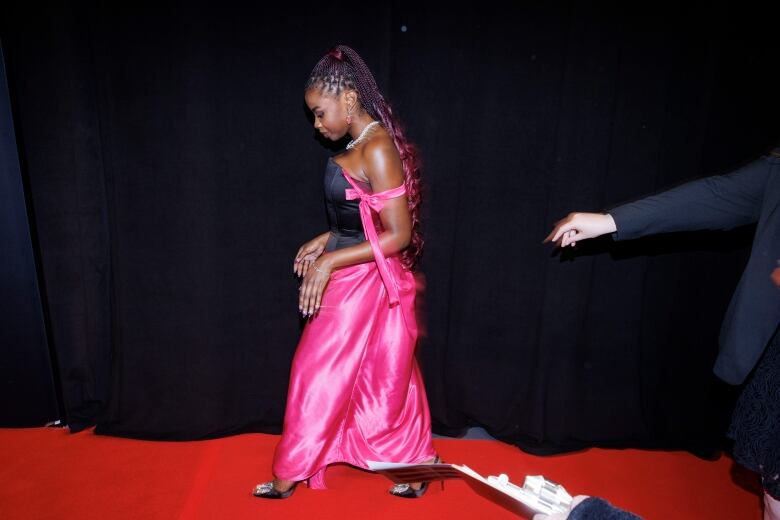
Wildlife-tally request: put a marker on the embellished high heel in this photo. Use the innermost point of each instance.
(267, 490)
(407, 491)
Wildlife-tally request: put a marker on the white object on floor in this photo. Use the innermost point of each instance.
(771, 508)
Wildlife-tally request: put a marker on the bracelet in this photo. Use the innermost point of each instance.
(317, 268)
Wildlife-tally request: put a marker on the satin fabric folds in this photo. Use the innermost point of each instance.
(356, 392)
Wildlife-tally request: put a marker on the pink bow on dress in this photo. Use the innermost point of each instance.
(375, 201)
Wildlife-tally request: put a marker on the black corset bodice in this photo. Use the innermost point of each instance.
(346, 229)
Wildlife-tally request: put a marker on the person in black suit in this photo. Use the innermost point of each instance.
(584, 507)
(749, 338)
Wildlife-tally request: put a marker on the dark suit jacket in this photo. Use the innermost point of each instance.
(594, 508)
(747, 195)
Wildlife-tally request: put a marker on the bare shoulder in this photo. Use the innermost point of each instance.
(381, 162)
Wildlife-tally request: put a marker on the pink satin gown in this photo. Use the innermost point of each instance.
(356, 392)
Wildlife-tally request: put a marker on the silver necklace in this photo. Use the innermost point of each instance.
(362, 135)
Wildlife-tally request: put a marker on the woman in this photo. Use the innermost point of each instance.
(355, 392)
(750, 334)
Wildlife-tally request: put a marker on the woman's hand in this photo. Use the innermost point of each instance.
(314, 282)
(308, 253)
(580, 226)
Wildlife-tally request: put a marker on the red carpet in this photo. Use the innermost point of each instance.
(50, 473)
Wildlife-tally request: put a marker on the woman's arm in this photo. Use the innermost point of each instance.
(383, 168)
(384, 171)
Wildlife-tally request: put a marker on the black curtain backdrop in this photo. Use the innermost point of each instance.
(174, 173)
(26, 374)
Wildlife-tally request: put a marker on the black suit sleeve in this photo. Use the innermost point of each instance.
(718, 202)
(594, 508)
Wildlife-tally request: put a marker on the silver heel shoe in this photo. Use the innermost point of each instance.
(407, 491)
(267, 490)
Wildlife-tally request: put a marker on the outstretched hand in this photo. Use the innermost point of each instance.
(580, 226)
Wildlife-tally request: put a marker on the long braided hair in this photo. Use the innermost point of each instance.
(343, 69)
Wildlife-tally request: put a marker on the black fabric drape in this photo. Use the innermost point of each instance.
(26, 374)
(174, 174)
(51, 83)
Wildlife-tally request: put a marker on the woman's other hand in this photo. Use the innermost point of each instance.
(314, 282)
(580, 226)
(308, 253)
